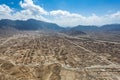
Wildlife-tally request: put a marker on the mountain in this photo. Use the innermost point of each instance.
(73, 32)
(30, 24)
(110, 27)
(85, 28)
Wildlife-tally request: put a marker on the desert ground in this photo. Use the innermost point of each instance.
(35, 55)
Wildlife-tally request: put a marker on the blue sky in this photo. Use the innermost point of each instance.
(84, 7)
(63, 12)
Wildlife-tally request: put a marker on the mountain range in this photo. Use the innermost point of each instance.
(32, 24)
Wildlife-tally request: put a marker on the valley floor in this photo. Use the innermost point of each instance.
(56, 56)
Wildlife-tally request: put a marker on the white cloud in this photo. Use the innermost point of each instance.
(116, 15)
(61, 17)
(65, 14)
(27, 14)
(30, 10)
(35, 9)
(65, 18)
(59, 12)
(5, 11)
(5, 8)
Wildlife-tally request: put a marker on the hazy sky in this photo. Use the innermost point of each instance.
(63, 12)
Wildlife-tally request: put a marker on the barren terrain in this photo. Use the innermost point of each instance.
(56, 56)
